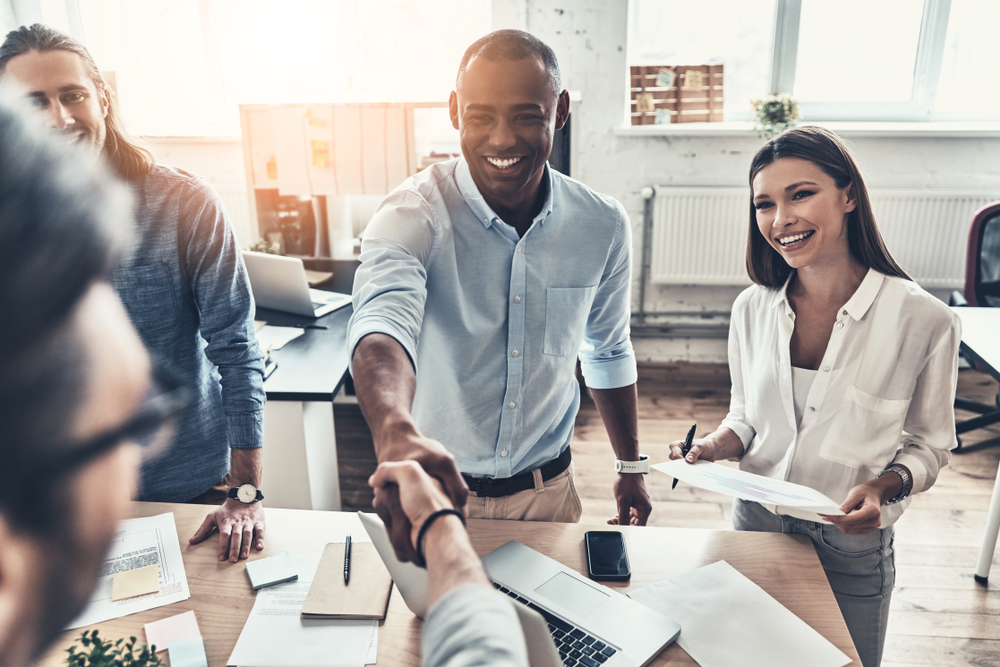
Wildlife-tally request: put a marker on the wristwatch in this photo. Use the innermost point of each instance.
(641, 466)
(247, 494)
(907, 483)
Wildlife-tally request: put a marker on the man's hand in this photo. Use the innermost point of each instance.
(634, 506)
(239, 527)
(413, 492)
(438, 465)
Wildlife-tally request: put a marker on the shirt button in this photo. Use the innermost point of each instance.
(826, 369)
(812, 409)
(503, 453)
(514, 353)
(845, 312)
(511, 404)
(840, 325)
(517, 299)
(518, 248)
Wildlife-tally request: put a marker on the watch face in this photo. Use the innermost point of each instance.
(247, 493)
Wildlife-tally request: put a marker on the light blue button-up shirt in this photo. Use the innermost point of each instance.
(494, 323)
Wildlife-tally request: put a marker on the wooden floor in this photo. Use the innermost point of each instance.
(939, 615)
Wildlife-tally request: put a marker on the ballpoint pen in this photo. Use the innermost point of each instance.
(686, 448)
(309, 326)
(347, 560)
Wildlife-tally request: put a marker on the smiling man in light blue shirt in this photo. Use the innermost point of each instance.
(483, 279)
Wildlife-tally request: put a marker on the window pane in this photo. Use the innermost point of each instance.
(968, 87)
(680, 32)
(857, 50)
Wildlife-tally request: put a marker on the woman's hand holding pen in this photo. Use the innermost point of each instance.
(718, 446)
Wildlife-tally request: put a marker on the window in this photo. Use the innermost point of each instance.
(183, 67)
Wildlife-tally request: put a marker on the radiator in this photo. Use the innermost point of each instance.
(699, 233)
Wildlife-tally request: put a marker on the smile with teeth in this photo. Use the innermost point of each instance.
(790, 240)
(503, 163)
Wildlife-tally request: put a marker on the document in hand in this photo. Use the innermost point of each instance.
(729, 620)
(748, 486)
(139, 543)
(276, 636)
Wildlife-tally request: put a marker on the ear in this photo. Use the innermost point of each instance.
(19, 590)
(562, 110)
(852, 199)
(453, 109)
(105, 100)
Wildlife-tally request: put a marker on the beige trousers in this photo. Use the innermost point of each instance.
(554, 500)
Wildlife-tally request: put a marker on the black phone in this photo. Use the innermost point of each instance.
(607, 559)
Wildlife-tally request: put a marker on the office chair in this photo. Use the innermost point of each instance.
(982, 290)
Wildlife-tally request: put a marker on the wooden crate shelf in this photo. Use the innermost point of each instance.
(694, 96)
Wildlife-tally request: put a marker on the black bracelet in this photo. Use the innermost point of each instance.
(427, 524)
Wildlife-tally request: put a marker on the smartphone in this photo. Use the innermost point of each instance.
(607, 559)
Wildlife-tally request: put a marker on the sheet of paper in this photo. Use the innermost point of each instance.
(717, 601)
(166, 631)
(138, 543)
(373, 647)
(276, 636)
(270, 571)
(747, 486)
(131, 583)
(188, 653)
(275, 338)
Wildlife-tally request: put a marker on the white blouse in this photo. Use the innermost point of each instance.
(883, 393)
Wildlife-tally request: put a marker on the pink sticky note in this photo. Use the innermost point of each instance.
(166, 631)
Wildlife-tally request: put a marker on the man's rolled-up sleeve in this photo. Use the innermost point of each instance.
(606, 357)
(390, 286)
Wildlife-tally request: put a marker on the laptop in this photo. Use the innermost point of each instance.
(279, 283)
(589, 623)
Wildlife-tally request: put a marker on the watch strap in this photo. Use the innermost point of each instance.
(633, 467)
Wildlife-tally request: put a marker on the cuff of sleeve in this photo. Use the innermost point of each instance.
(916, 468)
(610, 373)
(743, 431)
(246, 430)
(369, 325)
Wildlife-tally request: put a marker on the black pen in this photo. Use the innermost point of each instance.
(686, 448)
(309, 326)
(347, 560)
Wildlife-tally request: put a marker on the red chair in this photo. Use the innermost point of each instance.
(982, 290)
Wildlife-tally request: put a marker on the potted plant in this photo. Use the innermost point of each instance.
(774, 114)
(100, 653)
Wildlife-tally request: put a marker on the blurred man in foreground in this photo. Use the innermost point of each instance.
(79, 407)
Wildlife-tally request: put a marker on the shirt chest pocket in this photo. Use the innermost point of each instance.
(148, 294)
(866, 431)
(566, 311)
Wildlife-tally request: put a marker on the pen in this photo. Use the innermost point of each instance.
(309, 326)
(347, 560)
(686, 448)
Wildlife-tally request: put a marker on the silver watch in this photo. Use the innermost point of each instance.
(641, 466)
(907, 483)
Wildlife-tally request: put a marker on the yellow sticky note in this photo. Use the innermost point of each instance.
(693, 80)
(272, 168)
(135, 582)
(318, 144)
(317, 122)
(321, 158)
(644, 102)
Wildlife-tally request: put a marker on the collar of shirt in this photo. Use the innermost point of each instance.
(856, 306)
(470, 192)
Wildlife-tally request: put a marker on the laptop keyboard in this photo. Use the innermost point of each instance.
(576, 647)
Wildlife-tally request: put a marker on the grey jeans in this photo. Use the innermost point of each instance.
(860, 569)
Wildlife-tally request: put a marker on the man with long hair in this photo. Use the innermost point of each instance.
(183, 284)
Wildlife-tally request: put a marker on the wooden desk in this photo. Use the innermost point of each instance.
(300, 448)
(785, 566)
(981, 342)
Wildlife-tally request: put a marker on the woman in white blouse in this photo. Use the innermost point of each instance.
(843, 372)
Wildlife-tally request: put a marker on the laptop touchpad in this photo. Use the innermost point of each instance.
(571, 594)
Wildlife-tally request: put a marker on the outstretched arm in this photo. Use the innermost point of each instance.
(619, 412)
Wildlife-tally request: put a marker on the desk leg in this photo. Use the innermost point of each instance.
(300, 456)
(990, 536)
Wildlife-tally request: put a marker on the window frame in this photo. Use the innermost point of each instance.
(926, 71)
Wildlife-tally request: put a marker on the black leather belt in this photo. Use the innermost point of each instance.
(488, 487)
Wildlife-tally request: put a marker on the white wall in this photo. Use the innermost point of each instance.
(588, 37)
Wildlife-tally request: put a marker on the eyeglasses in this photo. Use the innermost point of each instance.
(152, 428)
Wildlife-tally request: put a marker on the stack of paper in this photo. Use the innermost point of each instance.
(270, 571)
(139, 543)
(276, 636)
(726, 620)
(167, 631)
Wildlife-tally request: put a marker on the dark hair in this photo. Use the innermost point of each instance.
(127, 157)
(503, 45)
(61, 221)
(828, 152)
